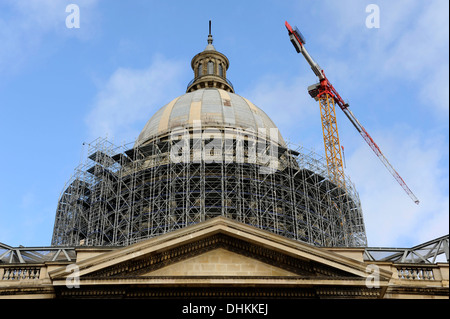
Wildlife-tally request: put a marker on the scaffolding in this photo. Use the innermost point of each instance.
(431, 252)
(120, 195)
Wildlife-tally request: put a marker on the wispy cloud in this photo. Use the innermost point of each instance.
(288, 105)
(28, 218)
(130, 97)
(410, 49)
(24, 26)
(411, 46)
(421, 54)
(390, 215)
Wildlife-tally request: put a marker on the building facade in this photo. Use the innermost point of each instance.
(222, 258)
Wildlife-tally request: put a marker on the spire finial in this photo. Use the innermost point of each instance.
(210, 38)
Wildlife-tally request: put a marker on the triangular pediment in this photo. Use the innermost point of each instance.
(220, 252)
(220, 262)
(213, 253)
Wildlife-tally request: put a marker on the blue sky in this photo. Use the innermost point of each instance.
(61, 87)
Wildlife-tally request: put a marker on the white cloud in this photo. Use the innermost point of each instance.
(28, 200)
(131, 96)
(421, 54)
(408, 56)
(435, 91)
(24, 29)
(29, 218)
(409, 51)
(411, 46)
(288, 105)
(391, 217)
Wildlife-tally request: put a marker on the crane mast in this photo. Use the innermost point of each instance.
(326, 94)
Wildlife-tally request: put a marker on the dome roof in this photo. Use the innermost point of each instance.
(214, 108)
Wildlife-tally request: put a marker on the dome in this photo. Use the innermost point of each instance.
(214, 108)
(207, 153)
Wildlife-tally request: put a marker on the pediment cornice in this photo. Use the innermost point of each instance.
(139, 260)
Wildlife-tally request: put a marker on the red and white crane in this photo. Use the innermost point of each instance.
(327, 96)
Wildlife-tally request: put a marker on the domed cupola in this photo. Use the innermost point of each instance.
(210, 69)
(208, 152)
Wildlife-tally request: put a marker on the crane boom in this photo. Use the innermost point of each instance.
(380, 155)
(298, 41)
(324, 90)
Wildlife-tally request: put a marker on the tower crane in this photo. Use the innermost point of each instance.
(326, 94)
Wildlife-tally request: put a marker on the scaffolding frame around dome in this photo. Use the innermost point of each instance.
(119, 195)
